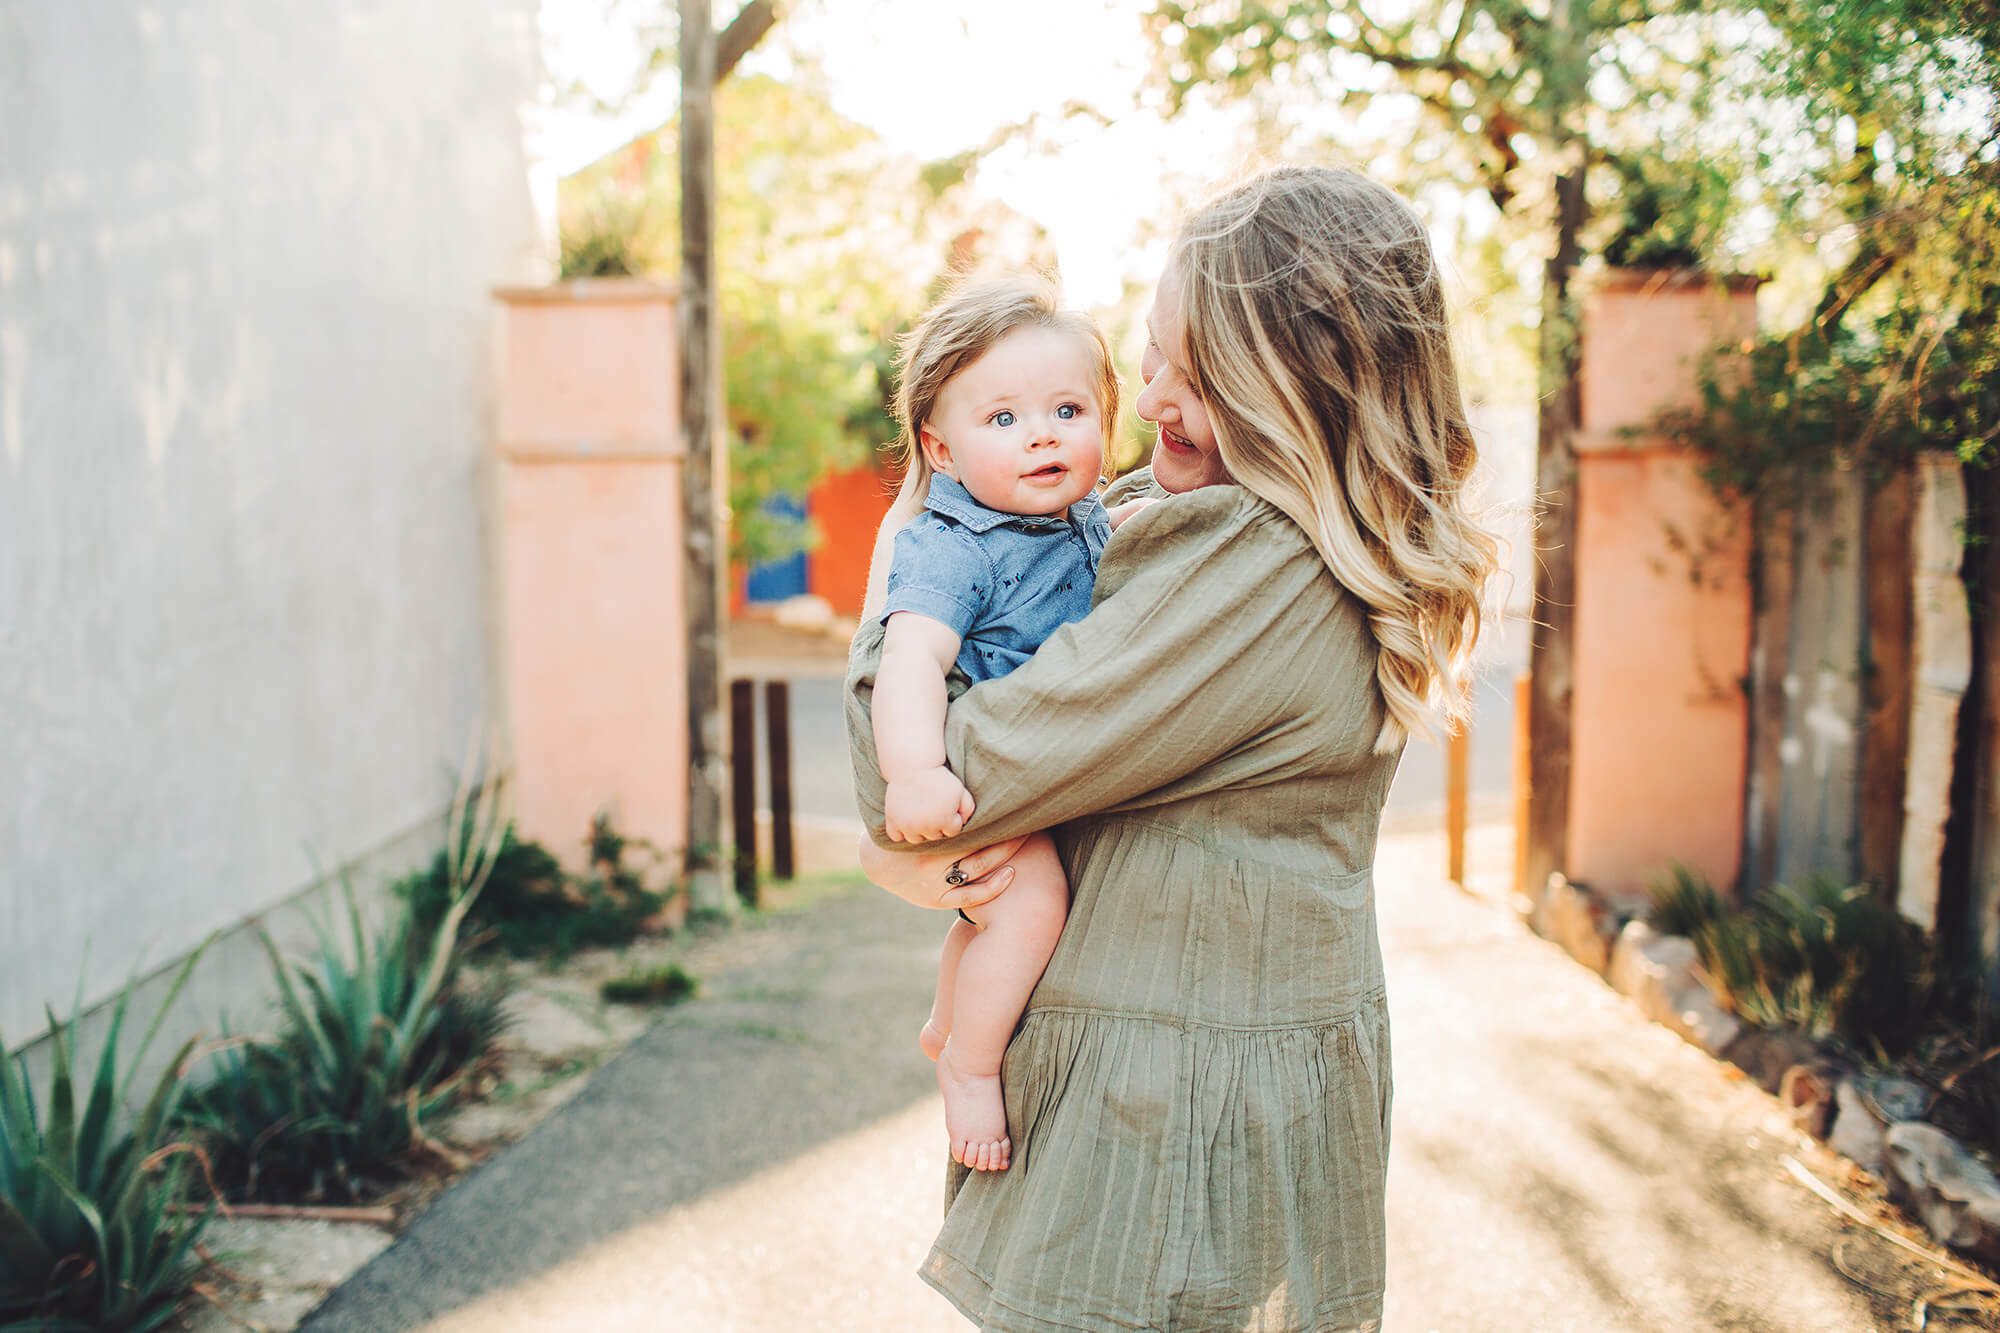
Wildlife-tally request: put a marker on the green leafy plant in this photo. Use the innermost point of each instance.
(532, 908)
(378, 1031)
(1683, 902)
(669, 983)
(1832, 960)
(89, 1237)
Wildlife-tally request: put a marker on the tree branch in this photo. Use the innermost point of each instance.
(744, 31)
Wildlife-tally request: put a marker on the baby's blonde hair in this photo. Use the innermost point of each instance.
(962, 327)
(1317, 338)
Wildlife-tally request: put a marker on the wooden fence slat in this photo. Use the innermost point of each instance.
(743, 774)
(778, 741)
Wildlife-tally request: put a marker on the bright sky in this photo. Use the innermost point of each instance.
(937, 77)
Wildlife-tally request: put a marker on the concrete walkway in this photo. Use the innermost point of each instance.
(769, 1157)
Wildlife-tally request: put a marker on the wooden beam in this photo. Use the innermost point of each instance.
(744, 31)
(706, 469)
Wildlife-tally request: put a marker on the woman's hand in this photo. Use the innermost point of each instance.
(920, 877)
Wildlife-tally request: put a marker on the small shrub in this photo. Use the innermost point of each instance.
(88, 1236)
(667, 984)
(1684, 902)
(530, 908)
(1832, 960)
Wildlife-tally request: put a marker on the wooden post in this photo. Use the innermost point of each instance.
(778, 743)
(743, 775)
(703, 480)
(1887, 572)
(1457, 762)
(1552, 648)
(1523, 700)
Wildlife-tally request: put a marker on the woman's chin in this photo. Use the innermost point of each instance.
(1179, 469)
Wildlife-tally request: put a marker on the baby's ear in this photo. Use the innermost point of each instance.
(936, 452)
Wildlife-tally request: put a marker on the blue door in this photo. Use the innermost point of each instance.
(775, 580)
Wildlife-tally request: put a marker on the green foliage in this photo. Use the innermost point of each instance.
(377, 1032)
(87, 1236)
(1834, 961)
(825, 244)
(610, 235)
(666, 984)
(1668, 214)
(532, 908)
(1683, 902)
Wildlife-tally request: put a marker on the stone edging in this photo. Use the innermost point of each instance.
(1875, 1122)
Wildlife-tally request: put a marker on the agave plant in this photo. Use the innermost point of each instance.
(377, 1032)
(88, 1235)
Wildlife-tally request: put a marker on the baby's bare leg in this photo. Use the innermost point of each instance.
(1016, 934)
(939, 1026)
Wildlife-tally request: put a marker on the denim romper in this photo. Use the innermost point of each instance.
(1002, 582)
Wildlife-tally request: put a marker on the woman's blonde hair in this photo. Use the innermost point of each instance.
(1316, 336)
(962, 327)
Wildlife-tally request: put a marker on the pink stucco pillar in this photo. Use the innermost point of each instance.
(1663, 608)
(592, 629)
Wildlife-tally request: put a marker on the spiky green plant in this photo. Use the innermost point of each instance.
(88, 1235)
(1830, 959)
(1683, 901)
(376, 1034)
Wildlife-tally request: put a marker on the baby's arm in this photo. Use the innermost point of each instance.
(924, 801)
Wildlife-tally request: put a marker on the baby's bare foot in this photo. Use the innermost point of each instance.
(932, 1039)
(975, 1116)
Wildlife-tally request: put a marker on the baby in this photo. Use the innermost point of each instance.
(1005, 401)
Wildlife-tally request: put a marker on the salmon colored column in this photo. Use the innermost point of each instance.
(593, 632)
(1663, 608)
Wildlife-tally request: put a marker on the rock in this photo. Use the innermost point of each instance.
(1957, 1198)
(1573, 917)
(1659, 973)
(1648, 966)
(1858, 1133)
(1766, 1053)
(1808, 1092)
(1699, 1018)
(1894, 1099)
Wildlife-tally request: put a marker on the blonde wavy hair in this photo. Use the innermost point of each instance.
(962, 327)
(1317, 338)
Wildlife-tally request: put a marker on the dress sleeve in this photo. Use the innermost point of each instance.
(1207, 605)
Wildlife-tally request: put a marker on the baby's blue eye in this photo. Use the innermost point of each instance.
(1067, 412)
(1003, 418)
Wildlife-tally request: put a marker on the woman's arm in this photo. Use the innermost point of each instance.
(1213, 621)
(908, 504)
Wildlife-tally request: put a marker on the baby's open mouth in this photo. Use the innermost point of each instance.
(1051, 470)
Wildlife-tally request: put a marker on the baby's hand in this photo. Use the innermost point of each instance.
(1119, 513)
(933, 804)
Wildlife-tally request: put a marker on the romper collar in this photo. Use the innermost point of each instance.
(950, 498)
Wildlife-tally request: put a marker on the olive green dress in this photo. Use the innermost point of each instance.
(1199, 1092)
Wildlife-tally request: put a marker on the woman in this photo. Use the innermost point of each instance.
(1200, 1089)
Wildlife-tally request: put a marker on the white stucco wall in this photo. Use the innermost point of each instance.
(246, 248)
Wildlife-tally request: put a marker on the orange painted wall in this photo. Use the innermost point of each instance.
(1659, 722)
(848, 507)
